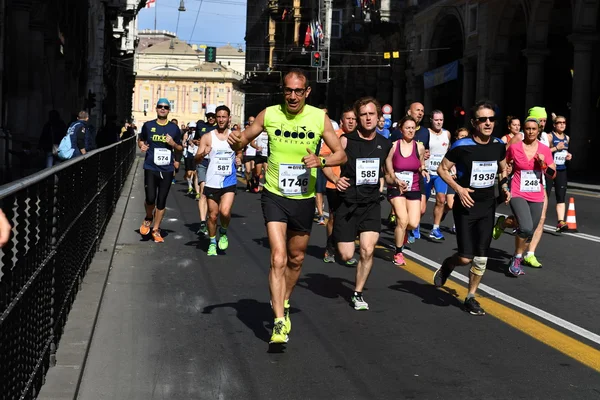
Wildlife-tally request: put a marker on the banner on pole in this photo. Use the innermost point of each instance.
(440, 75)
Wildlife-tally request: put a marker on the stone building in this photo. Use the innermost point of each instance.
(519, 53)
(166, 66)
(53, 54)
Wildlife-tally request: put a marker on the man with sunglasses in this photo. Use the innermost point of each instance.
(478, 160)
(159, 139)
(203, 128)
(288, 198)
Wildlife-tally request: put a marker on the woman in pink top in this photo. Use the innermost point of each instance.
(529, 158)
(405, 164)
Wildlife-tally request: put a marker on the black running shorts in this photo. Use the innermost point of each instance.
(474, 227)
(215, 194)
(352, 219)
(333, 199)
(297, 214)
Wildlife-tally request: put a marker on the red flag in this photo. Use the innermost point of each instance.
(307, 37)
(150, 3)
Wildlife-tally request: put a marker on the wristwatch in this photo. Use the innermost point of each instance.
(323, 161)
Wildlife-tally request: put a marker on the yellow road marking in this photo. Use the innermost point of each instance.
(575, 349)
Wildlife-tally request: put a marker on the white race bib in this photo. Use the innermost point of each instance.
(192, 149)
(224, 163)
(407, 177)
(293, 179)
(434, 162)
(162, 157)
(530, 183)
(560, 157)
(367, 171)
(483, 174)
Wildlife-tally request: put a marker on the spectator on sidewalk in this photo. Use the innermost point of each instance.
(52, 133)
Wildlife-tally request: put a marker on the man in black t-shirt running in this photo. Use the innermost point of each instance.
(478, 160)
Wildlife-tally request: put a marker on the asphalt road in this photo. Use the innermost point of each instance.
(175, 324)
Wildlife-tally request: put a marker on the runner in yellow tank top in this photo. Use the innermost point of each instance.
(294, 131)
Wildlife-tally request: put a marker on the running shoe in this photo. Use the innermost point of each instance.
(498, 227)
(145, 228)
(359, 303)
(531, 261)
(515, 266)
(328, 257)
(436, 234)
(411, 236)
(453, 230)
(190, 191)
(203, 230)
(392, 221)
(353, 262)
(157, 237)
(399, 259)
(417, 232)
(441, 275)
(321, 220)
(472, 306)
(288, 321)
(197, 196)
(212, 250)
(174, 181)
(561, 227)
(223, 242)
(279, 334)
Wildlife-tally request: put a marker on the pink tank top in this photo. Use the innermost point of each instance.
(411, 163)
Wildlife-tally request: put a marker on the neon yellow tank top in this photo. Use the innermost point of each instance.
(289, 137)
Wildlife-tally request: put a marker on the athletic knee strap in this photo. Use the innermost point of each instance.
(478, 265)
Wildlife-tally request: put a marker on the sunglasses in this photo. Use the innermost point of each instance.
(481, 120)
(299, 92)
(163, 107)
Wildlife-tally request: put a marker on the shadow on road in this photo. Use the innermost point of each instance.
(443, 297)
(327, 286)
(252, 313)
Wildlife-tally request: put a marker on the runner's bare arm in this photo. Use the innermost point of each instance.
(338, 155)
(203, 148)
(390, 177)
(238, 140)
(444, 173)
(328, 172)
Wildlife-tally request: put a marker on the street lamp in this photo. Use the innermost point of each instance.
(181, 6)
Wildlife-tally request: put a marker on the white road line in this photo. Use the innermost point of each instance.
(591, 336)
(515, 302)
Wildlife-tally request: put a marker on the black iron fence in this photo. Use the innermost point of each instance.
(58, 218)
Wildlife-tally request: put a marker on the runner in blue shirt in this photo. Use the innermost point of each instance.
(159, 139)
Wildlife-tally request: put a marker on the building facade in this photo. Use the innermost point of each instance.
(53, 55)
(166, 66)
(518, 53)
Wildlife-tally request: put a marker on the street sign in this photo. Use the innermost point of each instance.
(386, 109)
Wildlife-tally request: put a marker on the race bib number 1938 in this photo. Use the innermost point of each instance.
(483, 174)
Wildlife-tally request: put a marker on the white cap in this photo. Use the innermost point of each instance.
(211, 108)
(192, 125)
(395, 124)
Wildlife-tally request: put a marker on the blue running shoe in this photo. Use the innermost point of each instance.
(514, 267)
(416, 232)
(411, 237)
(436, 234)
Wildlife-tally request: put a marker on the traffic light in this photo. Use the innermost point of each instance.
(316, 59)
(210, 54)
(459, 112)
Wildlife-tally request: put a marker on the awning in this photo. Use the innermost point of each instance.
(440, 75)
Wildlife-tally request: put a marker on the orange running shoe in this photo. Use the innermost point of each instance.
(157, 237)
(145, 228)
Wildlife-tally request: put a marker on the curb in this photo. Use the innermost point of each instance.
(62, 380)
(584, 186)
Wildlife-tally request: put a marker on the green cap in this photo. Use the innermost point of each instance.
(537, 113)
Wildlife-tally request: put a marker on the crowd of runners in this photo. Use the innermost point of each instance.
(295, 156)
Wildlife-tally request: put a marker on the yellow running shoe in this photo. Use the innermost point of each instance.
(279, 334)
(532, 261)
(288, 321)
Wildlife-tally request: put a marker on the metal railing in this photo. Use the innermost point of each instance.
(58, 216)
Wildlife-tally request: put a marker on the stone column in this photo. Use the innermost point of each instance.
(18, 66)
(469, 81)
(496, 92)
(535, 76)
(37, 112)
(579, 127)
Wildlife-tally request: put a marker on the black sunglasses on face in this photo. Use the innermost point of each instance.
(483, 119)
(163, 107)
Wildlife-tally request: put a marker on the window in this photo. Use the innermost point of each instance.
(221, 103)
(146, 104)
(336, 23)
(171, 89)
(473, 19)
(195, 90)
(221, 90)
(195, 108)
(172, 102)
